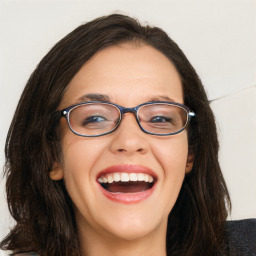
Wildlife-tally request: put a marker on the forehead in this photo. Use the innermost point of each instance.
(128, 72)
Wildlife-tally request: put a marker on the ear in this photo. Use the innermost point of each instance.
(57, 172)
(190, 162)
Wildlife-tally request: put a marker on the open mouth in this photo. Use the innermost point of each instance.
(126, 182)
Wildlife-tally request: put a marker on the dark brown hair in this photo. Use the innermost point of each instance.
(42, 208)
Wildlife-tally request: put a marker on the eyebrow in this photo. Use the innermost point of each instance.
(106, 98)
(162, 98)
(94, 97)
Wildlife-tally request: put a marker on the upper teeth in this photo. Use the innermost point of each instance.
(125, 177)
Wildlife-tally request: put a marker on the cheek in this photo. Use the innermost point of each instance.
(172, 153)
(79, 157)
(172, 156)
(80, 154)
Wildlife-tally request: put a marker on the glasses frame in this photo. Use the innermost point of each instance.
(123, 110)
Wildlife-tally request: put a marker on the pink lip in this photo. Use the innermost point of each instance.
(128, 198)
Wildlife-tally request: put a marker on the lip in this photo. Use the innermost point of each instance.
(128, 198)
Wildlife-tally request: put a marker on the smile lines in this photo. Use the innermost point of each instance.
(125, 177)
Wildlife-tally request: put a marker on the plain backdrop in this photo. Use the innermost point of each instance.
(218, 37)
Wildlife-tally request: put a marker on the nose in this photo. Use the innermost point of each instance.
(128, 138)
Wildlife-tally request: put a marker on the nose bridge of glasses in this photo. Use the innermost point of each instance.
(133, 111)
(129, 110)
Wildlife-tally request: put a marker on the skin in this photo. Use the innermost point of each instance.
(129, 75)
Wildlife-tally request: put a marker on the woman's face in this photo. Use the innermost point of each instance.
(127, 75)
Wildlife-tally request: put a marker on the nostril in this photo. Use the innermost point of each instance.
(121, 150)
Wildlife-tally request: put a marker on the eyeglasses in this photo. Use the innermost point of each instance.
(96, 118)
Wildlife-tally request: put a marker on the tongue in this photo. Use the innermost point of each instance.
(127, 187)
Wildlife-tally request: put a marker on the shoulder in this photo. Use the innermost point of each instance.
(241, 237)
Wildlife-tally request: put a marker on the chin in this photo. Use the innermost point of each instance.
(131, 227)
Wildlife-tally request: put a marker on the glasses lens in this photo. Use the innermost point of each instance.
(162, 118)
(94, 119)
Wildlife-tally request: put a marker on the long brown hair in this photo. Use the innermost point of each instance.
(42, 208)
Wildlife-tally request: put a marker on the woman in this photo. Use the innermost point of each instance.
(113, 150)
